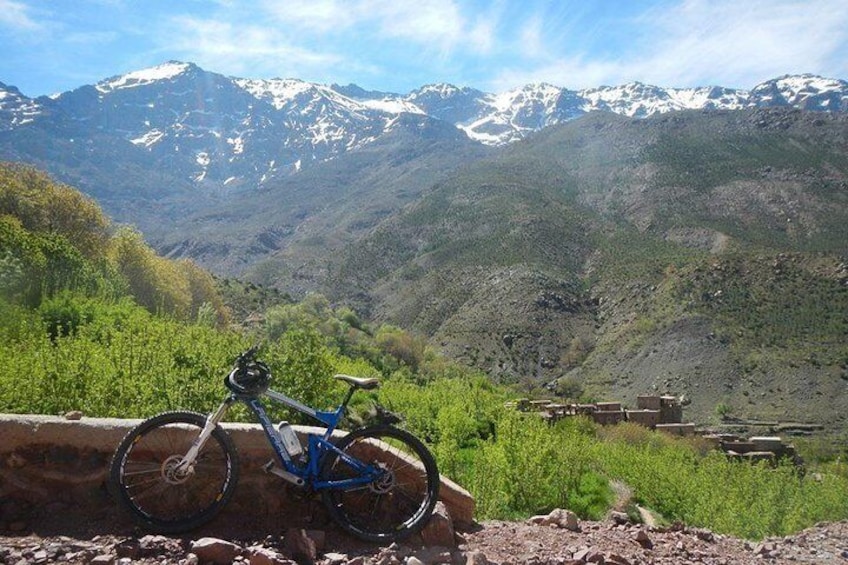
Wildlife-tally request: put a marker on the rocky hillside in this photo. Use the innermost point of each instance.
(697, 254)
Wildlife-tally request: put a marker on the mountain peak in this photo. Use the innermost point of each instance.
(295, 122)
(8, 90)
(282, 92)
(15, 108)
(806, 91)
(165, 71)
(358, 93)
(535, 86)
(442, 89)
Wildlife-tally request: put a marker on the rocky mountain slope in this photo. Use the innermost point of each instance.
(690, 253)
(217, 133)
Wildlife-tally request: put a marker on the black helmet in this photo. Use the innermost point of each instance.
(251, 378)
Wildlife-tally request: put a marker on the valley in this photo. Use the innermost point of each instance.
(621, 240)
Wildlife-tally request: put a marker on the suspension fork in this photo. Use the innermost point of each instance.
(188, 460)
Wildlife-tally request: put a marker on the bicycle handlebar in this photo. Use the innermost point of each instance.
(247, 356)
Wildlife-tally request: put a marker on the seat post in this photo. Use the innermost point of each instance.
(348, 396)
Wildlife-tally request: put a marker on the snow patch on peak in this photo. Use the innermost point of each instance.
(440, 89)
(807, 82)
(16, 109)
(806, 91)
(636, 99)
(144, 77)
(279, 91)
(282, 93)
(148, 139)
(541, 92)
(392, 106)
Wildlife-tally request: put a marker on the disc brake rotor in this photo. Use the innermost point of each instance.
(385, 482)
(172, 473)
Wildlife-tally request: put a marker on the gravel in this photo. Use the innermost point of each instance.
(506, 543)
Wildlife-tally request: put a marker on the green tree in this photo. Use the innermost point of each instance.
(23, 263)
(204, 295)
(303, 367)
(156, 283)
(43, 206)
(401, 345)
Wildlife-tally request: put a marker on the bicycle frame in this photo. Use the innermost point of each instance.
(318, 444)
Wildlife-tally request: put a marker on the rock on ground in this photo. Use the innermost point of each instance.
(490, 543)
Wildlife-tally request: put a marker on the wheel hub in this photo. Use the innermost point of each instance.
(384, 483)
(172, 473)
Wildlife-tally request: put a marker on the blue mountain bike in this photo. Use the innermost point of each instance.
(177, 470)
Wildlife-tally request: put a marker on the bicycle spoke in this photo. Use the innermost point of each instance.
(399, 499)
(156, 487)
(162, 495)
(154, 469)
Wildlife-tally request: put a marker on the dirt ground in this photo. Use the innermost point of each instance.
(106, 542)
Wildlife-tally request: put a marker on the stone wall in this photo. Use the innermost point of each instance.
(652, 412)
(51, 465)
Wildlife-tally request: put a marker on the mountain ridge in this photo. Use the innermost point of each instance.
(207, 135)
(545, 103)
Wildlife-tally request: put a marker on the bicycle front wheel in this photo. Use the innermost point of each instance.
(146, 478)
(399, 501)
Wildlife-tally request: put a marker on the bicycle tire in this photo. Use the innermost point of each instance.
(390, 509)
(159, 500)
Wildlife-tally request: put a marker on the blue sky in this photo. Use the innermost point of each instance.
(49, 46)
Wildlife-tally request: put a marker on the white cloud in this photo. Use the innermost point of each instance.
(481, 36)
(735, 41)
(531, 38)
(315, 15)
(496, 45)
(248, 50)
(699, 42)
(16, 15)
(330, 39)
(438, 22)
(435, 24)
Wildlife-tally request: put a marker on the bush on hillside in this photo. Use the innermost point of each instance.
(54, 239)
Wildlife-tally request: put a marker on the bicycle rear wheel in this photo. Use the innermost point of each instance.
(145, 479)
(400, 501)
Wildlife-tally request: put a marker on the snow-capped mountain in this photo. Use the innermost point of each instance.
(808, 92)
(511, 115)
(16, 109)
(223, 132)
(639, 100)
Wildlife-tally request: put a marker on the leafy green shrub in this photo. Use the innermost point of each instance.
(407, 349)
(113, 357)
(722, 410)
(63, 314)
(303, 368)
(592, 497)
(747, 500)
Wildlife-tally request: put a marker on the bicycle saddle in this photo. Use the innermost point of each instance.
(359, 382)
